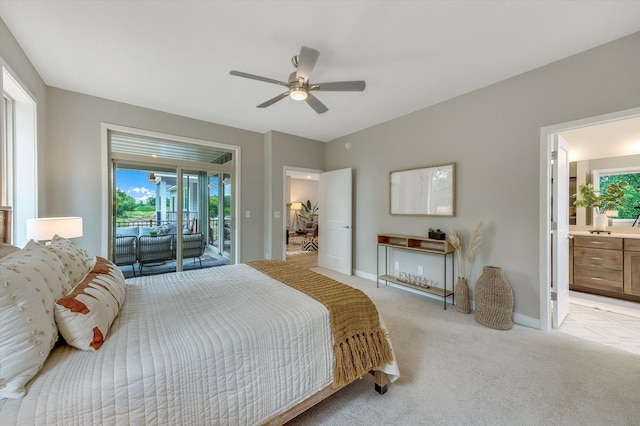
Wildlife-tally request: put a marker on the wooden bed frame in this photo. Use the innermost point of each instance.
(5, 224)
(382, 381)
(381, 378)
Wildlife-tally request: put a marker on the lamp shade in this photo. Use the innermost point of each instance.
(44, 228)
(296, 206)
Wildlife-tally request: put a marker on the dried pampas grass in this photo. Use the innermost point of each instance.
(456, 242)
(473, 247)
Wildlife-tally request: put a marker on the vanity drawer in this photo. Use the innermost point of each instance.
(598, 278)
(597, 259)
(632, 244)
(598, 242)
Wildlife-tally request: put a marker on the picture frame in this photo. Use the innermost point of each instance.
(423, 191)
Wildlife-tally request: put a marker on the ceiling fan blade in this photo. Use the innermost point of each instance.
(306, 61)
(257, 77)
(273, 100)
(340, 86)
(315, 103)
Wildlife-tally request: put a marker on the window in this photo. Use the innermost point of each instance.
(18, 147)
(604, 178)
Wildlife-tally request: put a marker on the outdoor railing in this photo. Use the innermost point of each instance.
(190, 221)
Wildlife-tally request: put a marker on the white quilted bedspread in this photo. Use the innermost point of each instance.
(225, 345)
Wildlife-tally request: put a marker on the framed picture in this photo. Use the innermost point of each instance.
(425, 191)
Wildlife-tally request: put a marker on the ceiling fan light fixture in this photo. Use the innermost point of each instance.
(298, 94)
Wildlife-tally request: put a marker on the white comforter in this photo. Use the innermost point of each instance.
(225, 345)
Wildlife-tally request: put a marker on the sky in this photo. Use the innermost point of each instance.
(136, 185)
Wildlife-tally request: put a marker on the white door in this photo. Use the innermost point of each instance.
(334, 225)
(560, 235)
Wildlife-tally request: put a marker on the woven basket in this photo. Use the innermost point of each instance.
(461, 294)
(494, 299)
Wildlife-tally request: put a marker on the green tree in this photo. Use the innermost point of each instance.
(124, 203)
(213, 206)
(631, 192)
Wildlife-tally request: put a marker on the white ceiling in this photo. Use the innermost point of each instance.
(175, 56)
(613, 139)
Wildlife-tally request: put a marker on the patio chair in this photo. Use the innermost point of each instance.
(193, 246)
(126, 252)
(154, 249)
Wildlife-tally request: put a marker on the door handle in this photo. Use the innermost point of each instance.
(347, 227)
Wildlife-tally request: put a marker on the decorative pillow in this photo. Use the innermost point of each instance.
(39, 257)
(85, 315)
(131, 231)
(146, 230)
(27, 323)
(7, 249)
(73, 259)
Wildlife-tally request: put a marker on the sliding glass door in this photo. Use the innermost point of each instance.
(220, 208)
(172, 206)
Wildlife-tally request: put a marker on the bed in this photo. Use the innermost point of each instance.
(225, 345)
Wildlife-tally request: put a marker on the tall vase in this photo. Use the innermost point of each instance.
(494, 299)
(461, 294)
(600, 222)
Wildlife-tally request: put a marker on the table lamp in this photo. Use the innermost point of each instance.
(44, 228)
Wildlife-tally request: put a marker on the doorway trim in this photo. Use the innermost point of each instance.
(546, 139)
(105, 161)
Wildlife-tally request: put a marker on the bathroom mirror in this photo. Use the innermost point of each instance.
(589, 171)
(425, 191)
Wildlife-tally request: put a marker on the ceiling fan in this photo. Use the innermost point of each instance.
(299, 88)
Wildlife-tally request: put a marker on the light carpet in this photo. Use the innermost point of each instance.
(456, 372)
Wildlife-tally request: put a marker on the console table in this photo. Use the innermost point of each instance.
(419, 244)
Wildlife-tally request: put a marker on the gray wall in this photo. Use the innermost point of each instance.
(19, 65)
(282, 150)
(74, 163)
(493, 134)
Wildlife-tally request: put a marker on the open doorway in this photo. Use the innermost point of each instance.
(301, 195)
(605, 142)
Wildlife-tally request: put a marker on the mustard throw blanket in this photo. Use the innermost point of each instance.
(360, 344)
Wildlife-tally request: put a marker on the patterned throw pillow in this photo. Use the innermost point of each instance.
(85, 315)
(73, 259)
(28, 280)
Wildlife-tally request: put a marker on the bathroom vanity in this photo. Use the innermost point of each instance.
(605, 264)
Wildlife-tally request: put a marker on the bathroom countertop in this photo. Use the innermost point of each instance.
(613, 234)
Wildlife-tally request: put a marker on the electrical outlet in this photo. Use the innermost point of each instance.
(396, 265)
(276, 214)
(420, 270)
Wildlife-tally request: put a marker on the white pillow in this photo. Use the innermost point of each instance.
(7, 249)
(27, 327)
(75, 262)
(85, 315)
(49, 265)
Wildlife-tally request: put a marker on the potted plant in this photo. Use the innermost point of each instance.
(612, 200)
(437, 234)
(308, 212)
